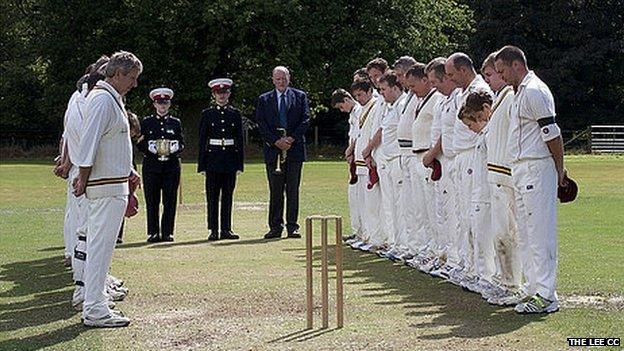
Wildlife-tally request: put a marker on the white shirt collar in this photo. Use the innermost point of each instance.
(103, 84)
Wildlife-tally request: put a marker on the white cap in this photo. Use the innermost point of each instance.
(161, 94)
(220, 84)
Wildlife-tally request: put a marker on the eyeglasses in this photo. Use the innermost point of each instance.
(163, 102)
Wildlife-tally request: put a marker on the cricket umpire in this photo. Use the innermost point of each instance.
(161, 143)
(221, 157)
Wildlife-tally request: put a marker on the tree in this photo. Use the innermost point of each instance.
(576, 47)
(185, 43)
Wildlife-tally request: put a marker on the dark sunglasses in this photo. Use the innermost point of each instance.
(163, 102)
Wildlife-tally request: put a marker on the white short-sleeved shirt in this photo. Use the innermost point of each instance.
(449, 107)
(533, 104)
(389, 128)
(422, 126)
(464, 138)
(365, 129)
(74, 116)
(354, 122)
(497, 137)
(407, 114)
(105, 143)
(480, 184)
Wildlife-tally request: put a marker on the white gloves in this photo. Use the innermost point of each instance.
(203, 173)
(174, 146)
(151, 146)
(239, 173)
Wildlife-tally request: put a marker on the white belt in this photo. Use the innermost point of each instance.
(221, 142)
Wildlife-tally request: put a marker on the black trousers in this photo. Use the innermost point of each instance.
(288, 182)
(220, 188)
(155, 185)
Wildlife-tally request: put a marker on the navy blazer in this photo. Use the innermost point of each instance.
(298, 120)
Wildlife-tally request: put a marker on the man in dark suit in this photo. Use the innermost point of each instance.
(283, 116)
(221, 157)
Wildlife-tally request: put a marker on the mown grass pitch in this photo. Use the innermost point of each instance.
(249, 294)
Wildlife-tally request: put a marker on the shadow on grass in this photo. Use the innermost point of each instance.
(431, 303)
(220, 243)
(44, 282)
(41, 341)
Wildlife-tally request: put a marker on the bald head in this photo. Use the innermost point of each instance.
(460, 69)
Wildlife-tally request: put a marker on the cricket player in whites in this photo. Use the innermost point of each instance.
(344, 102)
(408, 202)
(368, 189)
(536, 153)
(373, 156)
(461, 71)
(390, 175)
(475, 115)
(426, 230)
(442, 135)
(504, 227)
(105, 172)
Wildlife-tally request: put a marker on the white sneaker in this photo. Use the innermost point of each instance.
(366, 247)
(537, 304)
(116, 294)
(111, 280)
(509, 299)
(112, 320)
(428, 264)
(442, 272)
(456, 275)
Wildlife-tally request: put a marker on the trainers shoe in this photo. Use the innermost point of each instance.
(111, 280)
(537, 304)
(427, 264)
(442, 272)
(456, 276)
(116, 294)
(356, 244)
(509, 298)
(404, 257)
(366, 247)
(112, 320)
(347, 238)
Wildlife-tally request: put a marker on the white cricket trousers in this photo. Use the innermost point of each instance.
(356, 205)
(408, 207)
(71, 215)
(508, 271)
(535, 182)
(446, 211)
(390, 179)
(105, 216)
(483, 245)
(370, 211)
(80, 249)
(427, 233)
(463, 187)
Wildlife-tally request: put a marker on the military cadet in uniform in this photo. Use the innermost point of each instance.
(161, 143)
(221, 156)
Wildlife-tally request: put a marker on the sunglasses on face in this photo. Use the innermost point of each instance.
(163, 102)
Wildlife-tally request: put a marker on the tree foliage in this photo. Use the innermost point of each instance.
(576, 47)
(184, 43)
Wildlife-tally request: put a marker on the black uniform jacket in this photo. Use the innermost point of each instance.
(156, 127)
(221, 123)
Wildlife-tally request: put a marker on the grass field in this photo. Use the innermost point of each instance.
(249, 294)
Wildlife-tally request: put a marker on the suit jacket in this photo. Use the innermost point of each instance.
(298, 120)
(221, 123)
